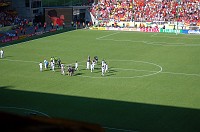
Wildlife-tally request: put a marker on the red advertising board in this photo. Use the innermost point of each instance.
(155, 29)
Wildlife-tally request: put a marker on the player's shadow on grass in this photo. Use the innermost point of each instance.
(116, 114)
(77, 74)
(9, 56)
(108, 74)
(84, 69)
(112, 71)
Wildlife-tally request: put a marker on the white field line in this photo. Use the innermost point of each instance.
(108, 35)
(151, 43)
(19, 61)
(161, 71)
(179, 73)
(122, 69)
(164, 72)
(173, 36)
(146, 42)
(25, 109)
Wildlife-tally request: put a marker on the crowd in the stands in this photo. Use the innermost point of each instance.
(147, 10)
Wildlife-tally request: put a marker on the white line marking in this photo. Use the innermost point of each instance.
(19, 61)
(145, 75)
(147, 42)
(31, 110)
(179, 73)
(151, 43)
(173, 36)
(122, 69)
(108, 35)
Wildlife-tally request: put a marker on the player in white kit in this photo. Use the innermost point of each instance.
(62, 68)
(88, 65)
(52, 66)
(92, 66)
(40, 64)
(76, 66)
(1, 53)
(106, 67)
(102, 70)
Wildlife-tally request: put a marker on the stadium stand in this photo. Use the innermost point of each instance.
(7, 16)
(147, 10)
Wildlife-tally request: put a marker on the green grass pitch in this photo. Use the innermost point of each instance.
(153, 83)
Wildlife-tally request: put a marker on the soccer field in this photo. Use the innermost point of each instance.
(153, 83)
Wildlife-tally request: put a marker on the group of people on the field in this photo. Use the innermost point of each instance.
(91, 65)
(56, 62)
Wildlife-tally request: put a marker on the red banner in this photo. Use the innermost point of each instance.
(149, 29)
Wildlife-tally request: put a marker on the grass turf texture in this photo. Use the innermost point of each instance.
(153, 83)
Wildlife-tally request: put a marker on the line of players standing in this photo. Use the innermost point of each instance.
(70, 70)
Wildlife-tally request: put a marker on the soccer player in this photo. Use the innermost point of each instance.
(62, 69)
(102, 70)
(106, 67)
(70, 70)
(45, 64)
(92, 66)
(88, 58)
(88, 65)
(96, 59)
(40, 64)
(102, 62)
(52, 66)
(59, 62)
(1, 53)
(76, 66)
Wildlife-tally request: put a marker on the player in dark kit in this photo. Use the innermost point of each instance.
(96, 59)
(59, 62)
